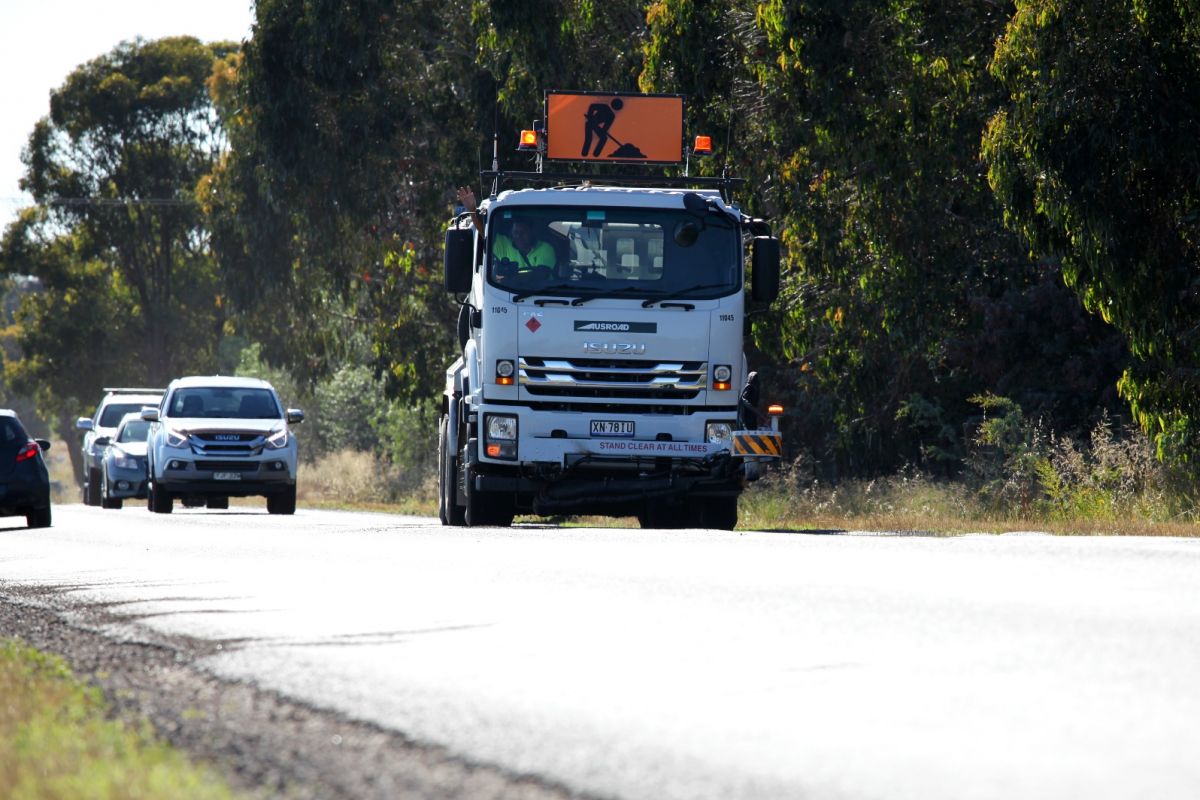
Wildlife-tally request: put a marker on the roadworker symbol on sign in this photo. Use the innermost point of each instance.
(598, 119)
(614, 127)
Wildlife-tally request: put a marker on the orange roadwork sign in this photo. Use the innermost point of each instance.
(629, 128)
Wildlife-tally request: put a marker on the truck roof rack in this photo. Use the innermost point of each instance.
(726, 185)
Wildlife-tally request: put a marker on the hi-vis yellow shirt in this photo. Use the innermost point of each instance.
(540, 255)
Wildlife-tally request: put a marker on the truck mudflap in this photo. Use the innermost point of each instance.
(758, 444)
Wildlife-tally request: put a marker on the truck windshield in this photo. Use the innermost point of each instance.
(593, 252)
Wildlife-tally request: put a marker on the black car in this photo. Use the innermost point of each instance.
(24, 482)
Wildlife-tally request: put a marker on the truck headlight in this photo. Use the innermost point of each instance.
(500, 436)
(718, 432)
(176, 438)
(278, 440)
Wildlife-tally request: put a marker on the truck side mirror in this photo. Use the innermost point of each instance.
(765, 264)
(458, 267)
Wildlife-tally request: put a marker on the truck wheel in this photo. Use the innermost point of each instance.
(668, 515)
(720, 513)
(487, 508)
(449, 511)
(284, 503)
(160, 502)
(92, 490)
(218, 502)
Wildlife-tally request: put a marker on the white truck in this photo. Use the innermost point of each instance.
(602, 368)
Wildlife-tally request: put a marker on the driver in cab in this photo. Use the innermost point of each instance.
(519, 246)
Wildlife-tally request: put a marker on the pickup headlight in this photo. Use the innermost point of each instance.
(176, 438)
(278, 440)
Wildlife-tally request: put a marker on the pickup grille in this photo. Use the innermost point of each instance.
(218, 443)
(609, 378)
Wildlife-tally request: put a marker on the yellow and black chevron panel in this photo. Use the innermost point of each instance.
(768, 444)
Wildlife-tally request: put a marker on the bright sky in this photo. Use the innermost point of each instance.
(42, 41)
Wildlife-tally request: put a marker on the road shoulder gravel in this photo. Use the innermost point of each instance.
(264, 744)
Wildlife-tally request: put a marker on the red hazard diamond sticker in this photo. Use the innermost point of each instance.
(533, 324)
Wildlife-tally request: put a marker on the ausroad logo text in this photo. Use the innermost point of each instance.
(597, 326)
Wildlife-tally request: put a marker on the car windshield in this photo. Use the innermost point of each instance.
(221, 402)
(135, 430)
(597, 252)
(111, 416)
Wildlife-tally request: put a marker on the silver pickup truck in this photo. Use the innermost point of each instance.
(215, 437)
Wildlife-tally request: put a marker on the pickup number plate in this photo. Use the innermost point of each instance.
(611, 427)
(227, 476)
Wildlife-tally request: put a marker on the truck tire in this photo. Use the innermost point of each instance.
(218, 502)
(449, 511)
(487, 508)
(38, 517)
(160, 502)
(282, 503)
(668, 515)
(92, 490)
(720, 513)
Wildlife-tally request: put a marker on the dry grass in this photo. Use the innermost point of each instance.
(355, 479)
(908, 503)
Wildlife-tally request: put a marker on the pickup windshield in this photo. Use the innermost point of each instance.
(598, 252)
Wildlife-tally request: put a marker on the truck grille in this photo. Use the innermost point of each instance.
(610, 378)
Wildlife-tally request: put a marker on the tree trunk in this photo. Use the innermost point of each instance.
(64, 426)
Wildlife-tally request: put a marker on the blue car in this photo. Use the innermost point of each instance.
(24, 482)
(123, 467)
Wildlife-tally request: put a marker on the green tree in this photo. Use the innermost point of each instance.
(76, 306)
(351, 127)
(1093, 157)
(857, 125)
(116, 164)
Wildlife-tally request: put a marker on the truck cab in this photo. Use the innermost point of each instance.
(602, 368)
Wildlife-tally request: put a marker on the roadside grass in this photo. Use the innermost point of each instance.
(58, 741)
(916, 504)
(1109, 490)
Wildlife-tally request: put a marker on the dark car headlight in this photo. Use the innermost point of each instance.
(126, 461)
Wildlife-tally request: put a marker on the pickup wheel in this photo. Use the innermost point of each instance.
(449, 511)
(218, 502)
(160, 502)
(282, 503)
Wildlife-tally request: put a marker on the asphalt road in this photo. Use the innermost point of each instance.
(682, 664)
